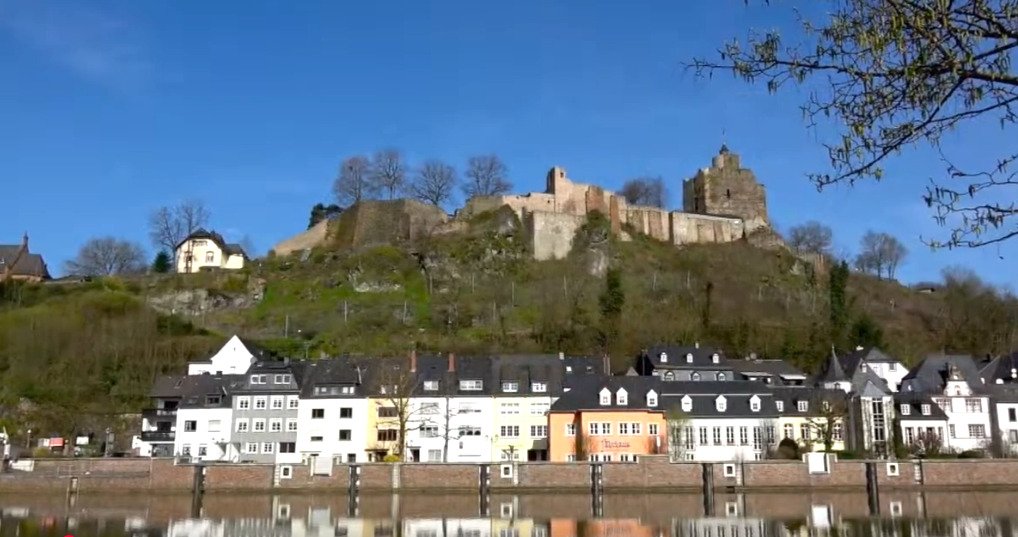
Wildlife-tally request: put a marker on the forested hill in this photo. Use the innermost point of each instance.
(91, 349)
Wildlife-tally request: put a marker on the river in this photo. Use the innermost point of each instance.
(904, 514)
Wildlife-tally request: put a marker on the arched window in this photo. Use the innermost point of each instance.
(721, 376)
(695, 376)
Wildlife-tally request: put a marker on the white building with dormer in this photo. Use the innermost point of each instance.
(954, 384)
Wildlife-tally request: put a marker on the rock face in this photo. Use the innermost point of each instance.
(304, 241)
(372, 223)
(194, 302)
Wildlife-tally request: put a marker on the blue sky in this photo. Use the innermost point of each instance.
(111, 109)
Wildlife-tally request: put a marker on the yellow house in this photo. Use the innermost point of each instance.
(809, 416)
(208, 250)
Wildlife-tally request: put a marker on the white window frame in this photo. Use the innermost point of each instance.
(471, 385)
(906, 409)
(246, 425)
(277, 402)
(802, 406)
(539, 387)
(261, 403)
(276, 422)
(291, 425)
(292, 402)
(571, 429)
(256, 422)
(510, 386)
(243, 403)
(268, 448)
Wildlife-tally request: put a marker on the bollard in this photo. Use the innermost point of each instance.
(872, 492)
(708, 489)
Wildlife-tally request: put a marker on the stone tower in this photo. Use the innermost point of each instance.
(727, 189)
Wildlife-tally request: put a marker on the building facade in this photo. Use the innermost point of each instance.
(266, 405)
(204, 250)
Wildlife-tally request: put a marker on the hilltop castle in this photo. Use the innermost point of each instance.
(722, 203)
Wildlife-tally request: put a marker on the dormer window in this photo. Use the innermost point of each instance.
(925, 409)
(652, 398)
(689, 358)
(715, 358)
(906, 410)
(539, 387)
(510, 386)
(669, 375)
(664, 357)
(721, 403)
(471, 385)
(721, 376)
(687, 403)
(754, 404)
(694, 376)
(803, 406)
(431, 385)
(780, 405)
(606, 397)
(621, 397)
(862, 366)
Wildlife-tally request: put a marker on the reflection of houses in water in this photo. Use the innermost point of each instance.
(730, 526)
(604, 527)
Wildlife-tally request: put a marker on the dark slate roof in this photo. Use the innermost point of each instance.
(585, 393)
(229, 248)
(1003, 368)
(582, 365)
(832, 370)
(704, 397)
(333, 372)
(915, 401)
(192, 389)
(27, 264)
(850, 362)
(674, 357)
(930, 375)
(779, 371)
(527, 369)
(295, 369)
(791, 395)
(1003, 393)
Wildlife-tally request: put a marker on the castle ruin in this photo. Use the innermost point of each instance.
(722, 203)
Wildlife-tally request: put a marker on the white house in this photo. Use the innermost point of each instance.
(204, 420)
(890, 369)
(719, 421)
(923, 425)
(234, 358)
(954, 384)
(332, 414)
(208, 250)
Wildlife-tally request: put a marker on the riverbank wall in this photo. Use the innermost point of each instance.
(651, 473)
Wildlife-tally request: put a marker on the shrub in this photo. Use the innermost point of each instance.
(972, 454)
(391, 458)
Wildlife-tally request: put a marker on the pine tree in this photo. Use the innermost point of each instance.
(162, 263)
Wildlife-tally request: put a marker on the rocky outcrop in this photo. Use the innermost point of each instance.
(194, 302)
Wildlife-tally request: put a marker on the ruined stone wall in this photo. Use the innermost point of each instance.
(687, 228)
(535, 201)
(303, 241)
(650, 221)
(551, 234)
(385, 222)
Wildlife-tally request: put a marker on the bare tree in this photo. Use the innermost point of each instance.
(828, 421)
(486, 175)
(648, 191)
(353, 183)
(106, 256)
(890, 74)
(811, 237)
(926, 444)
(169, 226)
(388, 171)
(880, 254)
(434, 182)
(397, 384)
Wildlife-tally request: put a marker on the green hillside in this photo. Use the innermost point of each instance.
(92, 349)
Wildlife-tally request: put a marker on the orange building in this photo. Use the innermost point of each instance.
(613, 419)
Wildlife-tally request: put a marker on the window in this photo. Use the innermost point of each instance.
(717, 436)
(634, 428)
(606, 397)
(344, 434)
(621, 397)
(721, 376)
(213, 400)
(243, 403)
(431, 385)
(316, 438)
(539, 431)
(317, 413)
(687, 437)
(687, 403)
(803, 406)
(651, 399)
(780, 405)
(730, 435)
(429, 408)
(539, 409)
(651, 429)
(285, 472)
(715, 358)
(624, 429)
(471, 385)
(837, 432)
(539, 387)
(951, 431)
(281, 379)
(258, 379)
(387, 412)
(925, 409)
(190, 426)
(210, 257)
(468, 408)
(789, 431)
(387, 435)
(260, 403)
(729, 470)
(892, 469)
(509, 431)
(509, 408)
(291, 426)
(625, 457)
(909, 436)
(268, 447)
(703, 436)
(470, 431)
(754, 404)
(429, 431)
(277, 403)
(258, 425)
(242, 426)
(292, 402)
(287, 447)
(599, 428)
(906, 410)
(252, 448)
(510, 386)
(570, 429)
(943, 403)
(571, 457)
(743, 436)
(185, 450)
(1013, 436)
(276, 425)
(757, 438)
(977, 431)
(1012, 414)
(345, 412)
(973, 405)
(721, 403)
(694, 377)
(804, 431)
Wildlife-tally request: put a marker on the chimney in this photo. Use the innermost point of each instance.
(452, 363)
(561, 356)
(413, 361)
(696, 345)
(24, 241)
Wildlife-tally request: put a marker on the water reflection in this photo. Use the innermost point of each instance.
(560, 515)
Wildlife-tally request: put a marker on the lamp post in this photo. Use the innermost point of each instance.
(28, 440)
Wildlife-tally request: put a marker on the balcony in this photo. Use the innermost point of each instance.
(157, 436)
(151, 413)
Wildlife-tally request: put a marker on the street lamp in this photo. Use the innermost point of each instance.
(28, 440)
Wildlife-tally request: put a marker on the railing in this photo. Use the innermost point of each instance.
(157, 436)
(158, 412)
